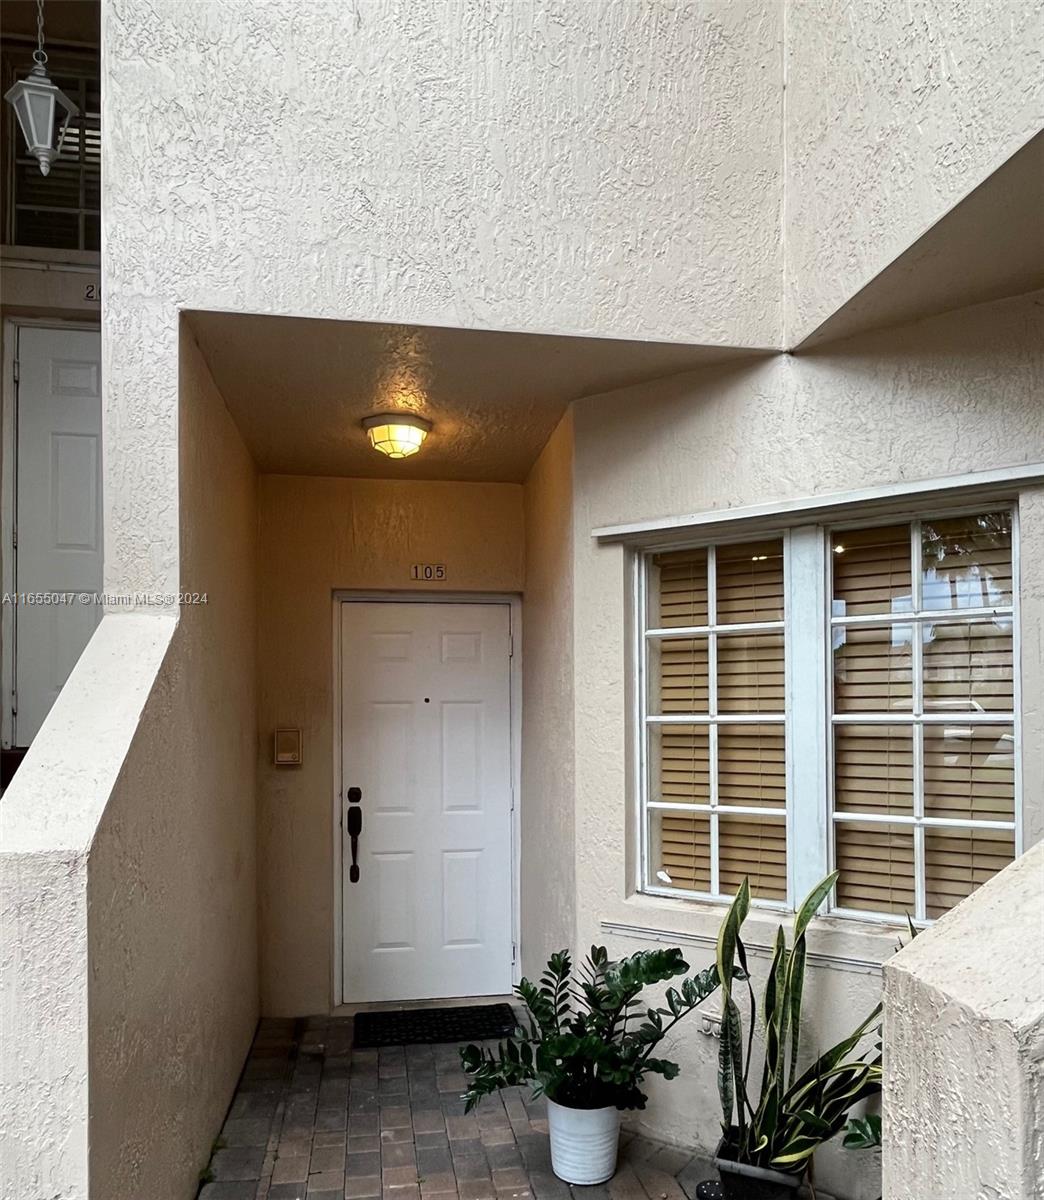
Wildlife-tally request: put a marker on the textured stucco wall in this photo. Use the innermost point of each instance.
(172, 924)
(548, 872)
(317, 536)
(964, 1048)
(894, 113)
(48, 820)
(607, 168)
(957, 393)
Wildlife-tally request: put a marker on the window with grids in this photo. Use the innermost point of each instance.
(924, 731)
(60, 210)
(713, 720)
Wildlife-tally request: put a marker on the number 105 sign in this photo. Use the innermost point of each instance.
(428, 572)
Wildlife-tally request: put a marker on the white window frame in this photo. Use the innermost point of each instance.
(809, 717)
(917, 719)
(712, 718)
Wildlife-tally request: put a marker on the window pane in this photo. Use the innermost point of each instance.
(750, 582)
(956, 861)
(872, 571)
(57, 230)
(678, 675)
(969, 667)
(873, 769)
(679, 848)
(877, 867)
(750, 673)
(755, 847)
(752, 765)
(969, 772)
(872, 668)
(966, 562)
(681, 578)
(679, 763)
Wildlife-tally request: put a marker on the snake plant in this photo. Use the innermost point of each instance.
(794, 1112)
(585, 1043)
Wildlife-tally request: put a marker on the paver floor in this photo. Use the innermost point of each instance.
(314, 1119)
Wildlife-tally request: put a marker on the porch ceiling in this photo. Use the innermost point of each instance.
(298, 389)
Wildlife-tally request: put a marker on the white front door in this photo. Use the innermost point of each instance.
(58, 514)
(426, 740)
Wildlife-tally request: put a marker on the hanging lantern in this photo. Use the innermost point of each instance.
(43, 110)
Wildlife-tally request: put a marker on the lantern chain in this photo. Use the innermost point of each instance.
(39, 54)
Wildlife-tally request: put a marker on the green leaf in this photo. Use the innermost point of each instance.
(810, 905)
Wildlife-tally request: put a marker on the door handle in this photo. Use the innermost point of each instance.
(354, 828)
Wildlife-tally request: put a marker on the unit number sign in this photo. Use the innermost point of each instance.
(428, 572)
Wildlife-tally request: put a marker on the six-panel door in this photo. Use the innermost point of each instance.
(426, 737)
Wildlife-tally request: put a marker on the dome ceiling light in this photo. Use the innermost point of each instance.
(43, 111)
(398, 435)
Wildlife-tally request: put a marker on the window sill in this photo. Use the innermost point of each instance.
(843, 943)
(47, 255)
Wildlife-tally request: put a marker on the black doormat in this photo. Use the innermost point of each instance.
(404, 1027)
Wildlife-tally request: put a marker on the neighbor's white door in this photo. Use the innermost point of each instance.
(58, 514)
(426, 738)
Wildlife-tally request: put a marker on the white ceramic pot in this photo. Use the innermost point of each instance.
(583, 1142)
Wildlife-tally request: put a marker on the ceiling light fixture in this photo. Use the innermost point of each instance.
(43, 111)
(398, 435)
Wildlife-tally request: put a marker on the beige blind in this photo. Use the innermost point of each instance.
(969, 772)
(683, 588)
(748, 761)
(684, 675)
(967, 768)
(956, 861)
(749, 580)
(873, 769)
(873, 669)
(877, 867)
(684, 850)
(871, 569)
(968, 667)
(756, 847)
(684, 764)
(751, 673)
(752, 766)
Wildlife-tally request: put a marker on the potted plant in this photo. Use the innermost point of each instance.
(586, 1048)
(769, 1138)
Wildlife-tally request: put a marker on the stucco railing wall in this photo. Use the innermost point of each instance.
(49, 822)
(964, 1048)
(128, 952)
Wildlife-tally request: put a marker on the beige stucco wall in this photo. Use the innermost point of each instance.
(958, 393)
(316, 536)
(894, 113)
(964, 1048)
(603, 168)
(172, 914)
(127, 869)
(548, 871)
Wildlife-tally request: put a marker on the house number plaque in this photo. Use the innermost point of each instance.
(428, 572)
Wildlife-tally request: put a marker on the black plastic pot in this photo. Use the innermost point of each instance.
(739, 1181)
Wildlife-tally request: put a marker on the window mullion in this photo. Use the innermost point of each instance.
(806, 612)
(712, 711)
(917, 632)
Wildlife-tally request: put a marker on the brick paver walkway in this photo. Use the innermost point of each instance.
(314, 1119)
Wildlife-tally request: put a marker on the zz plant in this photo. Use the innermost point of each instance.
(793, 1113)
(584, 1044)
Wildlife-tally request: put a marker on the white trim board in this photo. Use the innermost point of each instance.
(514, 601)
(666, 531)
(647, 933)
